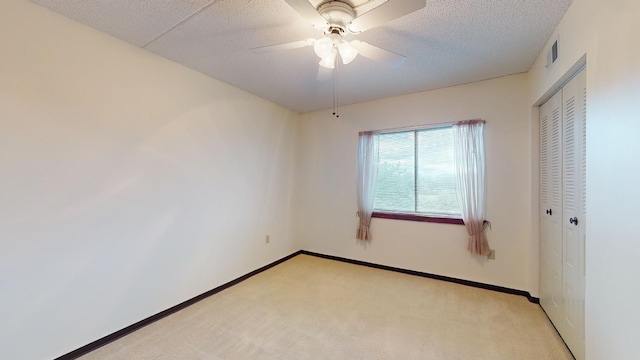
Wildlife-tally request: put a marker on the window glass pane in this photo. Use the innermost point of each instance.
(395, 190)
(436, 176)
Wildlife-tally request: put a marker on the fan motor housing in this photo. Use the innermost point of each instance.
(338, 14)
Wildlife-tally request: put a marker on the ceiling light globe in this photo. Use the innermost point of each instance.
(347, 52)
(323, 47)
(329, 61)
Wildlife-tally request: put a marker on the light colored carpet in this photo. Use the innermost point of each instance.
(313, 308)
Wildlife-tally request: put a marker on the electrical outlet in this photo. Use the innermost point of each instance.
(492, 255)
(266, 239)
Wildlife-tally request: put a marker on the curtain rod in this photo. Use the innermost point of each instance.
(423, 127)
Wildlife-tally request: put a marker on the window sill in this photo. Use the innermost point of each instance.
(414, 217)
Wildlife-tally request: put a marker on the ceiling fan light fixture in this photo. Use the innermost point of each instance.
(329, 61)
(323, 47)
(347, 52)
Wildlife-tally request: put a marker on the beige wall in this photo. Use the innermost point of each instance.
(128, 183)
(127, 180)
(328, 222)
(607, 33)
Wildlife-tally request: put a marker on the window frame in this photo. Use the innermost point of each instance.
(416, 217)
(382, 214)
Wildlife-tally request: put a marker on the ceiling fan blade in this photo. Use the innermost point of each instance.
(390, 10)
(324, 73)
(378, 54)
(308, 11)
(285, 46)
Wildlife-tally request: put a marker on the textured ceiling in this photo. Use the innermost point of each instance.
(446, 43)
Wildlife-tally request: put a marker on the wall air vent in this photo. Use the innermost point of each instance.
(552, 54)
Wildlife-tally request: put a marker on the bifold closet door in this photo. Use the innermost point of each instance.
(563, 211)
(551, 208)
(574, 205)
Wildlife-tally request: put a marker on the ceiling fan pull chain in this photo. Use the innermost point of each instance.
(335, 90)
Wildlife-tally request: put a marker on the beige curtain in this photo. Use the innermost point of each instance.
(367, 174)
(470, 182)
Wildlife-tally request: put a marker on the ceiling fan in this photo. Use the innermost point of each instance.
(337, 19)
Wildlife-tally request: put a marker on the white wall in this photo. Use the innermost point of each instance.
(327, 166)
(608, 33)
(128, 184)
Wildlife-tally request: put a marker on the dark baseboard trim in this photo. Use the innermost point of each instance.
(557, 332)
(153, 318)
(526, 294)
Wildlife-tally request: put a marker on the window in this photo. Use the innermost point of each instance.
(416, 177)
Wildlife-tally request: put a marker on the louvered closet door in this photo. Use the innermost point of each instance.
(551, 208)
(574, 159)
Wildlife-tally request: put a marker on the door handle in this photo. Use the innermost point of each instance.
(573, 220)
(549, 212)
